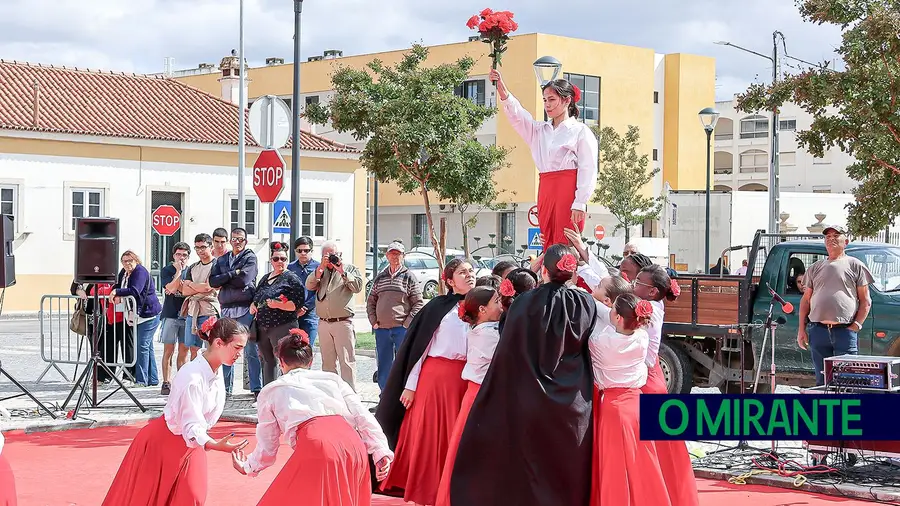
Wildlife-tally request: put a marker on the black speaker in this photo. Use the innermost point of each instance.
(7, 259)
(96, 250)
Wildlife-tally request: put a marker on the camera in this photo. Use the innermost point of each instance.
(334, 259)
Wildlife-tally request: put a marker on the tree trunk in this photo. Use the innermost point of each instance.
(438, 250)
(627, 234)
(465, 233)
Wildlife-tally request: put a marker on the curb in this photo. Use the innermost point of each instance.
(83, 424)
(841, 490)
(366, 353)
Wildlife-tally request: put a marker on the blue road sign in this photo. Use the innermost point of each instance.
(282, 217)
(534, 238)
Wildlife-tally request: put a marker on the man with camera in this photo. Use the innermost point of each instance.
(335, 283)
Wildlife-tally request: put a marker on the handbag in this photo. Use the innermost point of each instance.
(78, 322)
(252, 332)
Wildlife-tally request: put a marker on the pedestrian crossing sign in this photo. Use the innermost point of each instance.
(282, 217)
(534, 238)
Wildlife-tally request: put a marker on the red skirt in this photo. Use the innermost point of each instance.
(159, 470)
(556, 192)
(656, 381)
(674, 459)
(425, 433)
(443, 495)
(626, 471)
(7, 484)
(329, 467)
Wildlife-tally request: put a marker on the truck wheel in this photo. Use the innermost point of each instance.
(676, 367)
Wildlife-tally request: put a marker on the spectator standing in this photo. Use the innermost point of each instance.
(172, 322)
(303, 266)
(835, 304)
(742, 270)
(394, 300)
(335, 283)
(220, 242)
(134, 280)
(234, 275)
(201, 300)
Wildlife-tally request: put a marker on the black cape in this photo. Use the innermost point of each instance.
(528, 438)
(390, 411)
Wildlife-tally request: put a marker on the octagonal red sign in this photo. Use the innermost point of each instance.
(166, 220)
(268, 175)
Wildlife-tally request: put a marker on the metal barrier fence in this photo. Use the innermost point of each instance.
(62, 346)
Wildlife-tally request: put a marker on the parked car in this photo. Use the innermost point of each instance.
(426, 269)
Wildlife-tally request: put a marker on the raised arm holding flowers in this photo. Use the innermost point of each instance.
(494, 28)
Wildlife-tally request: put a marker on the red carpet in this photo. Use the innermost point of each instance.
(75, 468)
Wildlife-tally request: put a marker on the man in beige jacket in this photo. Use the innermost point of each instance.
(335, 284)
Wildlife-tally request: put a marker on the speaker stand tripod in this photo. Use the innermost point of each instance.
(89, 374)
(730, 345)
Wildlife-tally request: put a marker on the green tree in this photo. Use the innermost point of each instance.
(622, 176)
(415, 125)
(854, 109)
(468, 182)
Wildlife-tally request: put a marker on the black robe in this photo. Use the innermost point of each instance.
(390, 411)
(528, 438)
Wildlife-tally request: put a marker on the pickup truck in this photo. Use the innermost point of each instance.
(716, 315)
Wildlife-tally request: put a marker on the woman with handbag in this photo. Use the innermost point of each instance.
(134, 280)
(278, 295)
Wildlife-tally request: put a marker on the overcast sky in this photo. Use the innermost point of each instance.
(136, 35)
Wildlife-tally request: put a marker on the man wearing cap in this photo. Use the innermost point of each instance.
(393, 302)
(835, 304)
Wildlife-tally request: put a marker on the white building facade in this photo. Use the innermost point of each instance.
(743, 145)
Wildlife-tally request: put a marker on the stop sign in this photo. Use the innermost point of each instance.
(268, 175)
(166, 220)
(599, 232)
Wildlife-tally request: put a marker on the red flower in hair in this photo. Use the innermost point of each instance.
(576, 93)
(461, 309)
(276, 246)
(567, 263)
(207, 325)
(643, 309)
(507, 289)
(304, 337)
(674, 287)
(282, 298)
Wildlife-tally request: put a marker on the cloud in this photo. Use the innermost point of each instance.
(137, 35)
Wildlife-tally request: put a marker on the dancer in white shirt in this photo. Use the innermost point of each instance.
(325, 423)
(565, 152)
(625, 469)
(7, 480)
(653, 284)
(425, 390)
(166, 462)
(481, 309)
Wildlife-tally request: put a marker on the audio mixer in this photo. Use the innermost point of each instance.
(863, 372)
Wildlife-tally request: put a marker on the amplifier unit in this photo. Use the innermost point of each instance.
(863, 372)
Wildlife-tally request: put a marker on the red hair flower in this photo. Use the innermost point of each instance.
(567, 263)
(643, 309)
(461, 311)
(207, 325)
(674, 287)
(276, 246)
(304, 337)
(282, 298)
(507, 289)
(576, 93)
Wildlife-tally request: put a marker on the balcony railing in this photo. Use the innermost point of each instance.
(725, 137)
(751, 170)
(725, 170)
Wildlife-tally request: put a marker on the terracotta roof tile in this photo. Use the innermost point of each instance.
(65, 100)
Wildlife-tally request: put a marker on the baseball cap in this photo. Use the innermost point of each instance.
(396, 246)
(837, 228)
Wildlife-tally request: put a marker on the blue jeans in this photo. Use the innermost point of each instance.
(145, 367)
(827, 342)
(387, 342)
(251, 355)
(311, 327)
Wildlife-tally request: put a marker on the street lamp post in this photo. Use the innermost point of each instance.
(708, 118)
(546, 64)
(774, 177)
(295, 128)
(242, 136)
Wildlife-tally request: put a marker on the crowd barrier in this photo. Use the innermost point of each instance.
(62, 346)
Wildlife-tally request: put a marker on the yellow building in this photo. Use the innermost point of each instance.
(622, 86)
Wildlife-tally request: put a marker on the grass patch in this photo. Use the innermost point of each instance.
(365, 341)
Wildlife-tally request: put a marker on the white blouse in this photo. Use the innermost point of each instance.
(449, 341)
(571, 145)
(593, 271)
(481, 343)
(300, 395)
(616, 359)
(1, 442)
(654, 329)
(195, 402)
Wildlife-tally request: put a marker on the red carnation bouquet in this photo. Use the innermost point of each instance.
(494, 28)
